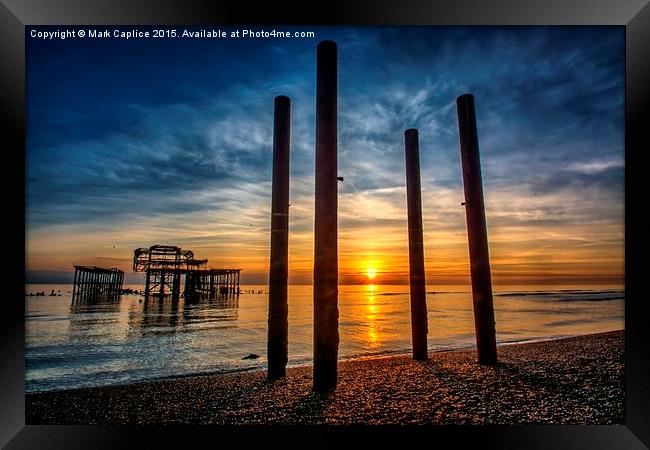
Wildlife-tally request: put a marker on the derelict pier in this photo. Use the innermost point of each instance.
(164, 265)
(94, 283)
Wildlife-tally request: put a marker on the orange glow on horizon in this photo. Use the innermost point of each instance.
(373, 241)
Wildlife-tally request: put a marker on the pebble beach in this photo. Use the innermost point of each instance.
(578, 380)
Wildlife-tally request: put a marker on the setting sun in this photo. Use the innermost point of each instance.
(372, 273)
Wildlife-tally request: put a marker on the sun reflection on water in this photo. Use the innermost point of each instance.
(371, 317)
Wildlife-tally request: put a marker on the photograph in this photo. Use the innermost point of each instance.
(325, 225)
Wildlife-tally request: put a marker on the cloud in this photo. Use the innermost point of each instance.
(179, 146)
(596, 166)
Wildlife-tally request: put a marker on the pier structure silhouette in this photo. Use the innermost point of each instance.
(96, 283)
(164, 265)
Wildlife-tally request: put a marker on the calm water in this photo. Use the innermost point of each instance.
(92, 345)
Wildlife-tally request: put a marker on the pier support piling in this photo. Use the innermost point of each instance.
(278, 273)
(416, 246)
(326, 313)
(477, 232)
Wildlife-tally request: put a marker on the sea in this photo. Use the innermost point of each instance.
(70, 345)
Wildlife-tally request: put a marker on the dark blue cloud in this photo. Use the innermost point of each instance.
(118, 129)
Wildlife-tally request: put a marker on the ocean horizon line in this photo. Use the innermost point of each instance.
(549, 283)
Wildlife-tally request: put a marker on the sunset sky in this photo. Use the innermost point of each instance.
(139, 142)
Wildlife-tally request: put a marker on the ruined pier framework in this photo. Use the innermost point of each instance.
(96, 283)
(164, 265)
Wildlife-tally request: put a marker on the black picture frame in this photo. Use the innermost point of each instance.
(634, 15)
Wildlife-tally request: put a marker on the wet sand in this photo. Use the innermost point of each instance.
(568, 381)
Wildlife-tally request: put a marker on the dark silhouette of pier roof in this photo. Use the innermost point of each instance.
(95, 269)
(165, 257)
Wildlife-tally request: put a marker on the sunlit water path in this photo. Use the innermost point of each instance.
(92, 345)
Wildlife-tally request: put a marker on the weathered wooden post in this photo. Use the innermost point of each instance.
(163, 274)
(80, 280)
(146, 283)
(477, 232)
(75, 289)
(176, 285)
(326, 313)
(416, 246)
(279, 270)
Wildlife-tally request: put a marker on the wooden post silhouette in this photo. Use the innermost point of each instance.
(326, 313)
(416, 246)
(477, 232)
(278, 272)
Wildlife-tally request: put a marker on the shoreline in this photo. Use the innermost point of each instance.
(578, 379)
(308, 364)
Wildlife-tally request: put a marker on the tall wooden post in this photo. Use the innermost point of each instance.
(416, 246)
(279, 270)
(326, 313)
(477, 232)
